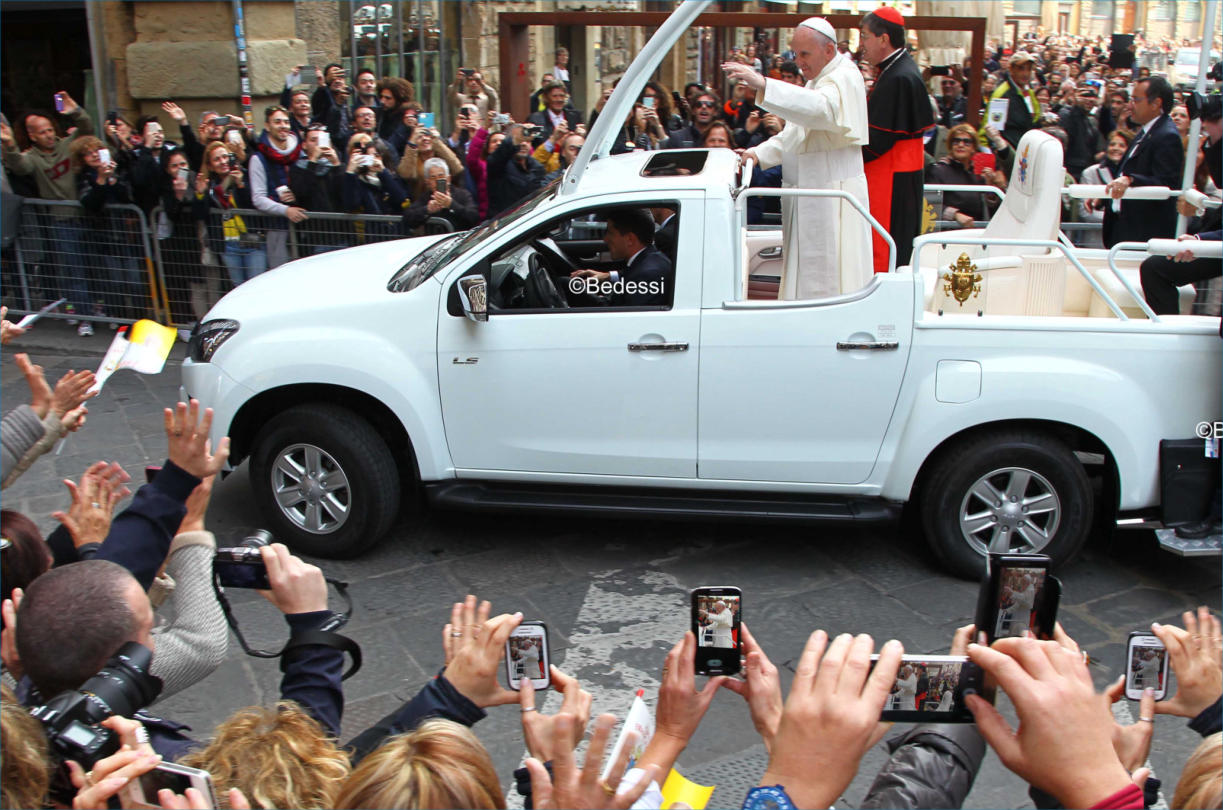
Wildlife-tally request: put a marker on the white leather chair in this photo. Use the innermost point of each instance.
(1031, 209)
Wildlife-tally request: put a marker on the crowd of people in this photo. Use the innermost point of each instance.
(116, 608)
(338, 145)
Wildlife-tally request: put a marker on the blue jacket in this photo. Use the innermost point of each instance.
(438, 698)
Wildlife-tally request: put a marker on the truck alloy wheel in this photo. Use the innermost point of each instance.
(325, 480)
(1015, 491)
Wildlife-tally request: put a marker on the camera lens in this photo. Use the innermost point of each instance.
(258, 539)
(123, 686)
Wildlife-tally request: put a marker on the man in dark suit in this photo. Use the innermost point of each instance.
(557, 99)
(667, 229)
(1155, 158)
(647, 275)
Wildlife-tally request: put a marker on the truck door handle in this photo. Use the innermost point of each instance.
(658, 347)
(868, 345)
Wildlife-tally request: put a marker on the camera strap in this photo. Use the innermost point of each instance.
(324, 636)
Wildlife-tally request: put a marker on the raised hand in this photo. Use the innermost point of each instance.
(297, 586)
(1196, 656)
(537, 728)
(8, 636)
(40, 392)
(569, 787)
(761, 688)
(8, 330)
(831, 717)
(190, 447)
(476, 657)
(174, 111)
(72, 390)
(1052, 691)
(93, 505)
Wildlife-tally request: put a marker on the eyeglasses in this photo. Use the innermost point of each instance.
(955, 141)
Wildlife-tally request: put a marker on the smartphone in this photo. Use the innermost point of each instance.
(233, 137)
(324, 140)
(112, 118)
(647, 102)
(1017, 593)
(142, 791)
(527, 656)
(1146, 665)
(30, 319)
(240, 567)
(221, 121)
(467, 71)
(184, 175)
(442, 184)
(501, 119)
(59, 102)
(233, 160)
(940, 70)
(717, 612)
(150, 472)
(982, 161)
(930, 689)
(104, 156)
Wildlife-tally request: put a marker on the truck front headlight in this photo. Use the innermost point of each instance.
(208, 337)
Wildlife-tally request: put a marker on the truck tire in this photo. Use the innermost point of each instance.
(1014, 491)
(325, 480)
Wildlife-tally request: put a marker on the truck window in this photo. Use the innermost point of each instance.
(608, 257)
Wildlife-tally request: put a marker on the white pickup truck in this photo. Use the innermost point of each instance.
(463, 370)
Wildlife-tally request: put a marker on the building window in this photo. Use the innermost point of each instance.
(1163, 10)
(1102, 9)
(1191, 11)
(1025, 8)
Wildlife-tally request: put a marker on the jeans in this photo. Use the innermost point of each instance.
(71, 263)
(243, 262)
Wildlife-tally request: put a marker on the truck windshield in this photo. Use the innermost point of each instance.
(442, 253)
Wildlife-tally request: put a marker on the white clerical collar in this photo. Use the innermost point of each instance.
(633, 258)
(891, 56)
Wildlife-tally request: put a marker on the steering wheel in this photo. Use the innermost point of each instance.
(556, 256)
(541, 290)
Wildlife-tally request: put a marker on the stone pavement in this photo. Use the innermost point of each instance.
(613, 593)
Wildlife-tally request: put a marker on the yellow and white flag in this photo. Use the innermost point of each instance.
(142, 347)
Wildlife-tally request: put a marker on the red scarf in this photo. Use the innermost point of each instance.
(268, 151)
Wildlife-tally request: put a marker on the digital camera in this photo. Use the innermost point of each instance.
(73, 719)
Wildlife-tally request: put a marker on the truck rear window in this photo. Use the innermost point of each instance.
(669, 163)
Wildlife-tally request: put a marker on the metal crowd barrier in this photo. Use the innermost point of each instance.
(100, 261)
(117, 266)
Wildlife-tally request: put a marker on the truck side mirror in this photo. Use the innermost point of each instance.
(473, 296)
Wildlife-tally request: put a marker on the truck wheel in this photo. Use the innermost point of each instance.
(325, 480)
(1019, 492)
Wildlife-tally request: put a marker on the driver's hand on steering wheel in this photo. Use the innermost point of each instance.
(597, 274)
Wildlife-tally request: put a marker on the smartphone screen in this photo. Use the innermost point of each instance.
(324, 140)
(527, 656)
(717, 612)
(930, 689)
(442, 185)
(647, 102)
(240, 567)
(1146, 666)
(1017, 594)
(59, 102)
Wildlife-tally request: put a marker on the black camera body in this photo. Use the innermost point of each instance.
(242, 566)
(72, 719)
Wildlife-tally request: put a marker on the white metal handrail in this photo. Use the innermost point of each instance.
(1159, 247)
(741, 212)
(947, 238)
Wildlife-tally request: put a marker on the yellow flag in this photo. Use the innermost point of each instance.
(685, 791)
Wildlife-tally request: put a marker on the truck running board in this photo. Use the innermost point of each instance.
(1210, 546)
(678, 504)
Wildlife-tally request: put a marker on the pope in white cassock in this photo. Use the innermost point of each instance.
(827, 242)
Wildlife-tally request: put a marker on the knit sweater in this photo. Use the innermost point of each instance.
(25, 438)
(52, 171)
(195, 641)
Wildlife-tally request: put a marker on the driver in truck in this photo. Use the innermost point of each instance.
(647, 274)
